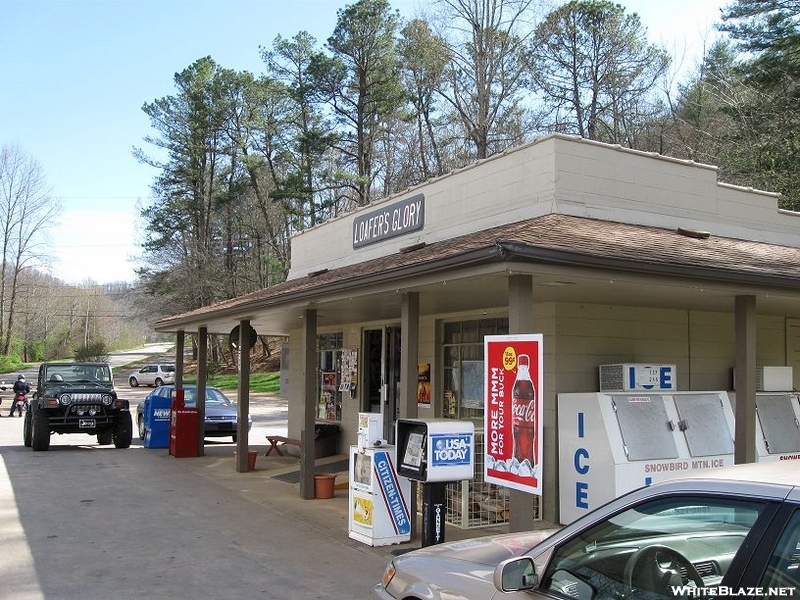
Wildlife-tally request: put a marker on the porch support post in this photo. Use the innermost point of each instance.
(243, 398)
(409, 355)
(309, 381)
(520, 320)
(202, 377)
(180, 340)
(745, 434)
(409, 358)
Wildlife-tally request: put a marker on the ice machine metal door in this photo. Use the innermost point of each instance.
(778, 422)
(702, 420)
(645, 426)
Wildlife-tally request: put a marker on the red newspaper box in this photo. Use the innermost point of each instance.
(183, 433)
(182, 429)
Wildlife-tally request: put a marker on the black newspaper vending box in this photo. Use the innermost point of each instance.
(435, 452)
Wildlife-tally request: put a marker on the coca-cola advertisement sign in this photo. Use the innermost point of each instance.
(513, 411)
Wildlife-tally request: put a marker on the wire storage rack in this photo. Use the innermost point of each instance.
(476, 503)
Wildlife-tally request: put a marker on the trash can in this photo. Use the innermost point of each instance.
(183, 433)
(156, 422)
(326, 439)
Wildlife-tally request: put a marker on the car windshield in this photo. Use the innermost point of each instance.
(71, 374)
(213, 397)
(646, 551)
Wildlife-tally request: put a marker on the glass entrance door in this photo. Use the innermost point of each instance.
(392, 388)
(382, 375)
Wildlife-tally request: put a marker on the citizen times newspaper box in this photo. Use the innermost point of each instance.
(379, 500)
(435, 452)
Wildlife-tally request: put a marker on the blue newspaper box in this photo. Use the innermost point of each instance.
(156, 422)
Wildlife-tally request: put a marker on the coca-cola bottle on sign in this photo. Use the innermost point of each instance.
(523, 411)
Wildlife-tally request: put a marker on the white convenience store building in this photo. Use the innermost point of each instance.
(614, 255)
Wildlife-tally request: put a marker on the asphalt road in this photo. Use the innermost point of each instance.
(83, 521)
(117, 361)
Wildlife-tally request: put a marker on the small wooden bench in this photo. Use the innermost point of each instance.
(274, 440)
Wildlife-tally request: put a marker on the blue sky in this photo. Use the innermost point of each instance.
(75, 73)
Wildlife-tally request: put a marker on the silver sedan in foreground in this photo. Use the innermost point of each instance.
(726, 532)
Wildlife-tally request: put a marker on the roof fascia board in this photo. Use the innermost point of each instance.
(574, 259)
(476, 257)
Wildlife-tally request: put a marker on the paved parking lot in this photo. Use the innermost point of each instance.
(83, 521)
(87, 521)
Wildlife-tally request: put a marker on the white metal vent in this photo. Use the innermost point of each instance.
(637, 377)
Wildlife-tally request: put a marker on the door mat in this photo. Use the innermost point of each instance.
(333, 467)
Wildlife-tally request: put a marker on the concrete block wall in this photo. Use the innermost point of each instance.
(567, 175)
(579, 338)
(700, 344)
(589, 335)
(502, 189)
(609, 183)
(428, 354)
(353, 338)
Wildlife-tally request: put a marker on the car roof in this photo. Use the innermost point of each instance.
(777, 480)
(777, 472)
(190, 386)
(77, 363)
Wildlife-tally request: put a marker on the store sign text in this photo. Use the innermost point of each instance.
(385, 223)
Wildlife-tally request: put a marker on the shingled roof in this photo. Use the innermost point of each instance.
(550, 239)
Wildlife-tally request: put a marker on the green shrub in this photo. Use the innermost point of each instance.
(92, 352)
(9, 362)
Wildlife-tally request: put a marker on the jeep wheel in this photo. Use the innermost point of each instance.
(123, 430)
(40, 430)
(140, 423)
(133, 382)
(105, 437)
(26, 429)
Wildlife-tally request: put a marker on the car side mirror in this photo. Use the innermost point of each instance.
(516, 574)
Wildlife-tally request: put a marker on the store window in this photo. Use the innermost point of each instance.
(329, 404)
(463, 387)
(471, 503)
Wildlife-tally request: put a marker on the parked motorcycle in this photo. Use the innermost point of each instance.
(21, 402)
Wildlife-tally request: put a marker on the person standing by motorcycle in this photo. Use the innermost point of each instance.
(21, 386)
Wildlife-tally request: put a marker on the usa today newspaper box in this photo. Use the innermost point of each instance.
(435, 452)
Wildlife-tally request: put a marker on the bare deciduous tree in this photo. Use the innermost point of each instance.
(488, 69)
(597, 71)
(26, 210)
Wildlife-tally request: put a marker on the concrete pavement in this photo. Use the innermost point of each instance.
(87, 521)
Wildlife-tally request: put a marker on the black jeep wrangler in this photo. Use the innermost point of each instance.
(77, 398)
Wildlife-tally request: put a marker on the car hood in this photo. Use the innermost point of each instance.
(488, 550)
(210, 411)
(218, 411)
(461, 570)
